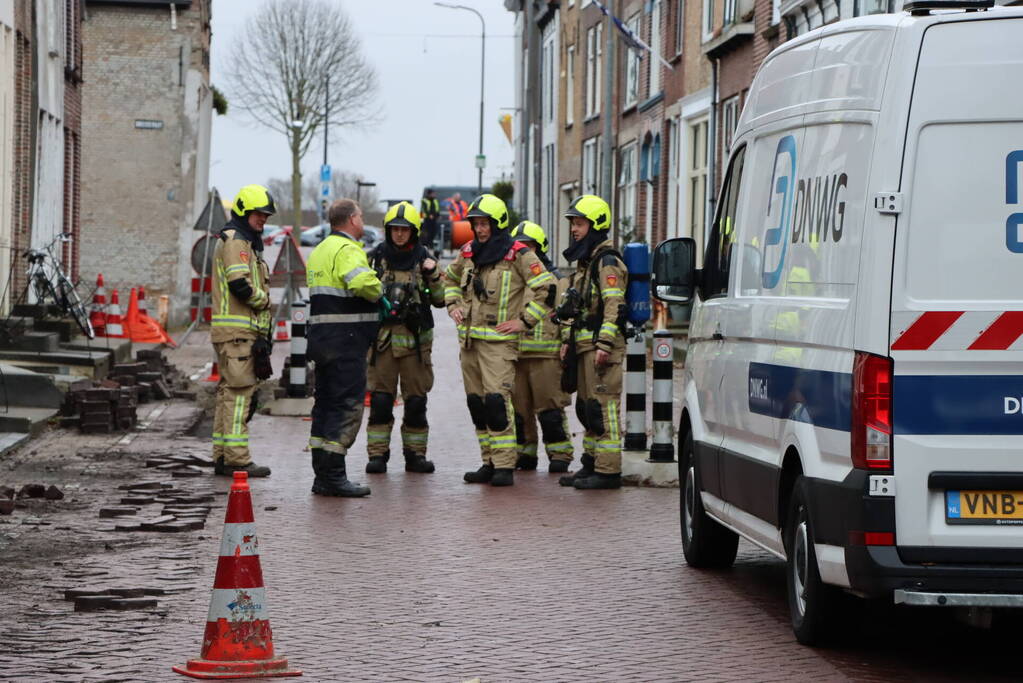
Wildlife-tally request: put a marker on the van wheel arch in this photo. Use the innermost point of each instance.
(791, 469)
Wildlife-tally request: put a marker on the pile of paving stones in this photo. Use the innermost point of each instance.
(179, 511)
(8, 495)
(111, 404)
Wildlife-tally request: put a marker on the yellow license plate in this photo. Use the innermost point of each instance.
(984, 507)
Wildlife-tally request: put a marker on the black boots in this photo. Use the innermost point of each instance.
(558, 466)
(503, 477)
(526, 462)
(481, 476)
(585, 470)
(596, 480)
(252, 468)
(377, 464)
(418, 463)
(331, 476)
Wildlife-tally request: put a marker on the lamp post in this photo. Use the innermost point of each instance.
(483, 56)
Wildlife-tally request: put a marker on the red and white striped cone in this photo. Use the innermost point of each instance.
(238, 642)
(143, 309)
(115, 324)
(282, 331)
(98, 314)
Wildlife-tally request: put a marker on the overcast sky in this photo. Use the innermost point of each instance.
(430, 137)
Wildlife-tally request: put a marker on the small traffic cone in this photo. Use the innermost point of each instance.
(115, 326)
(214, 373)
(143, 309)
(238, 642)
(282, 331)
(98, 314)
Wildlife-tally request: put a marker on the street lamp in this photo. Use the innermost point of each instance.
(483, 56)
(358, 190)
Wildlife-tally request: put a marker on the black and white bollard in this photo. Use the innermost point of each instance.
(296, 376)
(635, 391)
(662, 449)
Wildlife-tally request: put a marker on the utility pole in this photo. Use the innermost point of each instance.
(607, 148)
(325, 169)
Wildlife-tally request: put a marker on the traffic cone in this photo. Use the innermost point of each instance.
(238, 642)
(143, 309)
(115, 327)
(214, 373)
(142, 328)
(98, 314)
(282, 331)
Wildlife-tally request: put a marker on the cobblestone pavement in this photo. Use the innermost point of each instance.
(432, 579)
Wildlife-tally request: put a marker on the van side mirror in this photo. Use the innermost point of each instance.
(674, 276)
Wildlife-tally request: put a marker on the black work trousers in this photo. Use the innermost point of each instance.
(338, 402)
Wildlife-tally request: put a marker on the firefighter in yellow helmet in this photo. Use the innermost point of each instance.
(600, 280)
(494, 290)
(241, 316)
(538, 395)
(404, 344)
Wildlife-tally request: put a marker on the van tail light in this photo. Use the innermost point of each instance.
(872, 412)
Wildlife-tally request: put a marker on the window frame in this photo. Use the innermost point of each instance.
(680, 26)
(570, 85)
(707, 20)
(626, 187)
(633, 60)
(654, 80)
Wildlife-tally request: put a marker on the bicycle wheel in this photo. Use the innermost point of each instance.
(72, 305)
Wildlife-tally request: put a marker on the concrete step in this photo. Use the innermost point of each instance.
(37, 311)
(33, 340)
(121, 350)
(24, 387)
(24, 419)
(65, 327)
(92, 364)
(11, 440)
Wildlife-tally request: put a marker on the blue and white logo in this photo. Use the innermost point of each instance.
(783, 184)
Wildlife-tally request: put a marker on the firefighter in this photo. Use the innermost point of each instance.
(429, 212)
(457, 208)
(402, 351)
(343, 319)
(241, 315)
(494, 290)
(598, 285)
(538, 394)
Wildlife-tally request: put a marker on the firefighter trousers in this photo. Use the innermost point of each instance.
(488, 373)
(414, 372)
(233, 407)
(597, 405)
(338, 403)
(538, 396)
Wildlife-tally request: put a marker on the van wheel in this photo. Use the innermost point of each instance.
(705, 543)
(812, 603)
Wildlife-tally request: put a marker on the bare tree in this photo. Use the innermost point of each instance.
(342, 184)
(297, 66)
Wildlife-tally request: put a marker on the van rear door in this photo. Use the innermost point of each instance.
(957, 299)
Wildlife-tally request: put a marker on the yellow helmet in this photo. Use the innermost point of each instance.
(527, 231)
(490, 206)
(254, 198)
(592, 208)
(403, 214)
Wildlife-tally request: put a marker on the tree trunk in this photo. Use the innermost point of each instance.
(296, 187)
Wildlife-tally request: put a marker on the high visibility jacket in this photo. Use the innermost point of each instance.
(427, 290)
(429, 208)
(457, 210)
(517, 286)
(343, 295)
(544, 340)
(603, 300)
(241, 295)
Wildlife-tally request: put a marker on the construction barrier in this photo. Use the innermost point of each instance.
(297, 373)
(635, 392)
(238, 642)
(98, 314)
(663, 449)
(200, 287)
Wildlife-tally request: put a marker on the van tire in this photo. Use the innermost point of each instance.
(813, 604)
(705, 543)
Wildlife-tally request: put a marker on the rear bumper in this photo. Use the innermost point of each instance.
(840, 508)
(906, 597)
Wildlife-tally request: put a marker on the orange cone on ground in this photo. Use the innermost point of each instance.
(282, 331)
(142, 328)
(143, 309)
(214, 373)
(98, 314)
(238, 642)
(115, 325)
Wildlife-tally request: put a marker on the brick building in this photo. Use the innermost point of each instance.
(146, 129)
(8, 41)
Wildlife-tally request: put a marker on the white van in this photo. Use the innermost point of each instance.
(853, 392)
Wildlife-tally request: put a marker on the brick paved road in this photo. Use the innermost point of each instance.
(433, 579)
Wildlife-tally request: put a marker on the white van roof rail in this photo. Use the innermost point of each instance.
(923, 7)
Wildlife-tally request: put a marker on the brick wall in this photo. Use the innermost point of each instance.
(24, 141)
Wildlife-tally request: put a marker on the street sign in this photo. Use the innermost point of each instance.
(325, 191)
(325, 173)
(481, 161)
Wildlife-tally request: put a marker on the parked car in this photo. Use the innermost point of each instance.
(851, 394)
(312, 236)
(372, 237)
(275, 234)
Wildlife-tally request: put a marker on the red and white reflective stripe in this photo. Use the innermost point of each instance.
(239, 540)
(238, 604)
(957, 330)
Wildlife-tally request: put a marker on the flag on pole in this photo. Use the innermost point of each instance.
(630, 38)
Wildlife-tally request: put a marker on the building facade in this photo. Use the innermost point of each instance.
(147, 115)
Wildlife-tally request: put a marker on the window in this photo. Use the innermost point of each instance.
(591, 70)
(696, 182)
(718, 262)
(547, 81)
(729, 17)
(627, 187)
(708, 19)
(632, 62)
(680, 25)
(874, 7)
(570, 86)
(674, 149)
(729, 121)
(548, 192)
(591, 165)
(655, 49)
